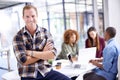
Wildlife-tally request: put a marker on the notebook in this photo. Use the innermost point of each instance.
(86, 54)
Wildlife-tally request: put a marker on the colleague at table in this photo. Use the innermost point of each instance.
(33, 45)
(69, 45)
(94, 40)
(108, 69)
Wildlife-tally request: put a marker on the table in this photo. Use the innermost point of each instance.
(8, 57)
(68, 70)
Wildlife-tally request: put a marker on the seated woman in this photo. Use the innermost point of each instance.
(94, 40)
(70, 45)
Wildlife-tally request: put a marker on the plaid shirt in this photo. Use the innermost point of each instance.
(24, 41)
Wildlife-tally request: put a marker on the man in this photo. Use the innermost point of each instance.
(33, 45)
(108, 69)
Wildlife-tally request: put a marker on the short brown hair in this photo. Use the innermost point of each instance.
(29, 7)
(68, 33)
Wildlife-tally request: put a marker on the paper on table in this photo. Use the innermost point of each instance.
(86, 54)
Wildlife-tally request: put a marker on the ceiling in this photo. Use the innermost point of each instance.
(8, 3)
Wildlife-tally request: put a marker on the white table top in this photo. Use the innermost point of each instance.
(68, 70)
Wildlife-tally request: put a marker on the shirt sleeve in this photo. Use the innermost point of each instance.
(108, 58)
(50, 39)
(62, 54)
(65, 49)
(77, 49)
(19, 49)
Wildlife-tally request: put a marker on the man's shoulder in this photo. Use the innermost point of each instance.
(42, 28)
(20, 32)
(113, 44)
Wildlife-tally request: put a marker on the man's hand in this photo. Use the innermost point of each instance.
(97, 60)
(96, 63)
(48, 46)
(30, 59)
(28, 52)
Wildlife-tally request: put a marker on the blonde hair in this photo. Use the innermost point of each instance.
(29, 7)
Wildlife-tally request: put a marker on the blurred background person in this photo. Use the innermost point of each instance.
(69, 45)
(94, 40)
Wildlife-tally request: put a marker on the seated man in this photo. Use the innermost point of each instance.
(107, 70)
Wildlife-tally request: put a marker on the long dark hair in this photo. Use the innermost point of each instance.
(90, 40)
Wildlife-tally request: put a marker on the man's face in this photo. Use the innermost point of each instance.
(106, 36)
(30, 17)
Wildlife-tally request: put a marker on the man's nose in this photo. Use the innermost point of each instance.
(31, 19)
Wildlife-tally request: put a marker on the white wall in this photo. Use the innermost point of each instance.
(114, 16)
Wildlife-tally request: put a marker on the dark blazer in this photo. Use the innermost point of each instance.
(102, 45)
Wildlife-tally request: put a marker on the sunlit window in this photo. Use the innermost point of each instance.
(10, 23)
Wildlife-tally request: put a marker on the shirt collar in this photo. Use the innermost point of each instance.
(110, 40)
(26, 31)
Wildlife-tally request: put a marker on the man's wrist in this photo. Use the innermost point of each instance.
(31, 54)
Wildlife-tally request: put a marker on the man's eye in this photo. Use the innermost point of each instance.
(27, 16)
(33, 16)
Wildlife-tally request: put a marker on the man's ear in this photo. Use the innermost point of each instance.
(23, 17)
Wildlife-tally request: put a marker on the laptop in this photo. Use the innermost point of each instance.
(86, 54)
